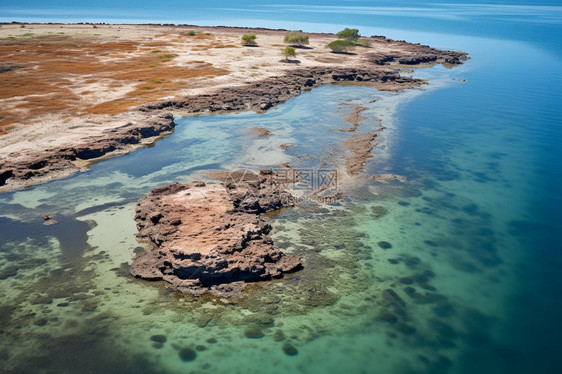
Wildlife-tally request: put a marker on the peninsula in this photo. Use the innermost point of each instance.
(73, 94)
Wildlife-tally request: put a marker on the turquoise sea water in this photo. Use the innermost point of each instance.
(474, 262)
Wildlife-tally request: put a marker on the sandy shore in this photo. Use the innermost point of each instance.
(73, 94)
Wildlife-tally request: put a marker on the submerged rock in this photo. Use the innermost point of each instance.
(159, 338)
(406, 280)
(260, 132)
(384, 245)
(289, 349)
(261, 319)
(387, 316)
(378, 211)
(254, 332)
(187, 354)
(212, 237)
(279, 335)
(40, 322)
(8, 271)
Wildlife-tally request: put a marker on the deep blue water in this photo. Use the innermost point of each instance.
(532, 21)
(481, 208)
(507, 122)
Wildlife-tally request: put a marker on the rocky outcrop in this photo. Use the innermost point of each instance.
(211, 237)
(40, 167)
(263, 95)
(413, 54)
(359, 147)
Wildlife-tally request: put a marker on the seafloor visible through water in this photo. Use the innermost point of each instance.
(454, 270)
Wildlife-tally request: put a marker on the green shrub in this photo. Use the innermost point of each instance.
(289, 52)
(349, 34)
(189, 33)
(364, 43)
(340, 46)
(296, 38)
(249, 39)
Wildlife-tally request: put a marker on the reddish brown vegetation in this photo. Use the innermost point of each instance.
(51, 74)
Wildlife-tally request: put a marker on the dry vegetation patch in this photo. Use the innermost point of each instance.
(64, 75)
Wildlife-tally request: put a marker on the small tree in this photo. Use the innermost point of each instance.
(349, 34)
(340, 46)
(289, 52)
(296, 38)
(249, 39)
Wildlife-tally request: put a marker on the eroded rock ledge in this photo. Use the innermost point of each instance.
(265, 94)
(44, 165)
(212, 237)
(413, 54)
(22, 169)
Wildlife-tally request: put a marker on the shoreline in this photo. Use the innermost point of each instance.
(25, 165)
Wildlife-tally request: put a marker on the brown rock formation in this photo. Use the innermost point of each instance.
(413, 54)
(27, 169)
(260, 132)
(212, 237)
(359, 146)
(263, 95)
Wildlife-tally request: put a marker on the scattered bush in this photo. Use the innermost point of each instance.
(249, 39)
(349, 34)
(296, 38)
(363, 43)
(189, 33)
(340, 46)
(289, 52)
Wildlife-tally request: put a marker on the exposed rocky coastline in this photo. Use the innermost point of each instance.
(35, 168)
(39, 167)
(149, 121)
(212, 237)
(414, 54)
(263, 95)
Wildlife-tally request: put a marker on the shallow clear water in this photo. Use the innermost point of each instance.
(473, 231)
